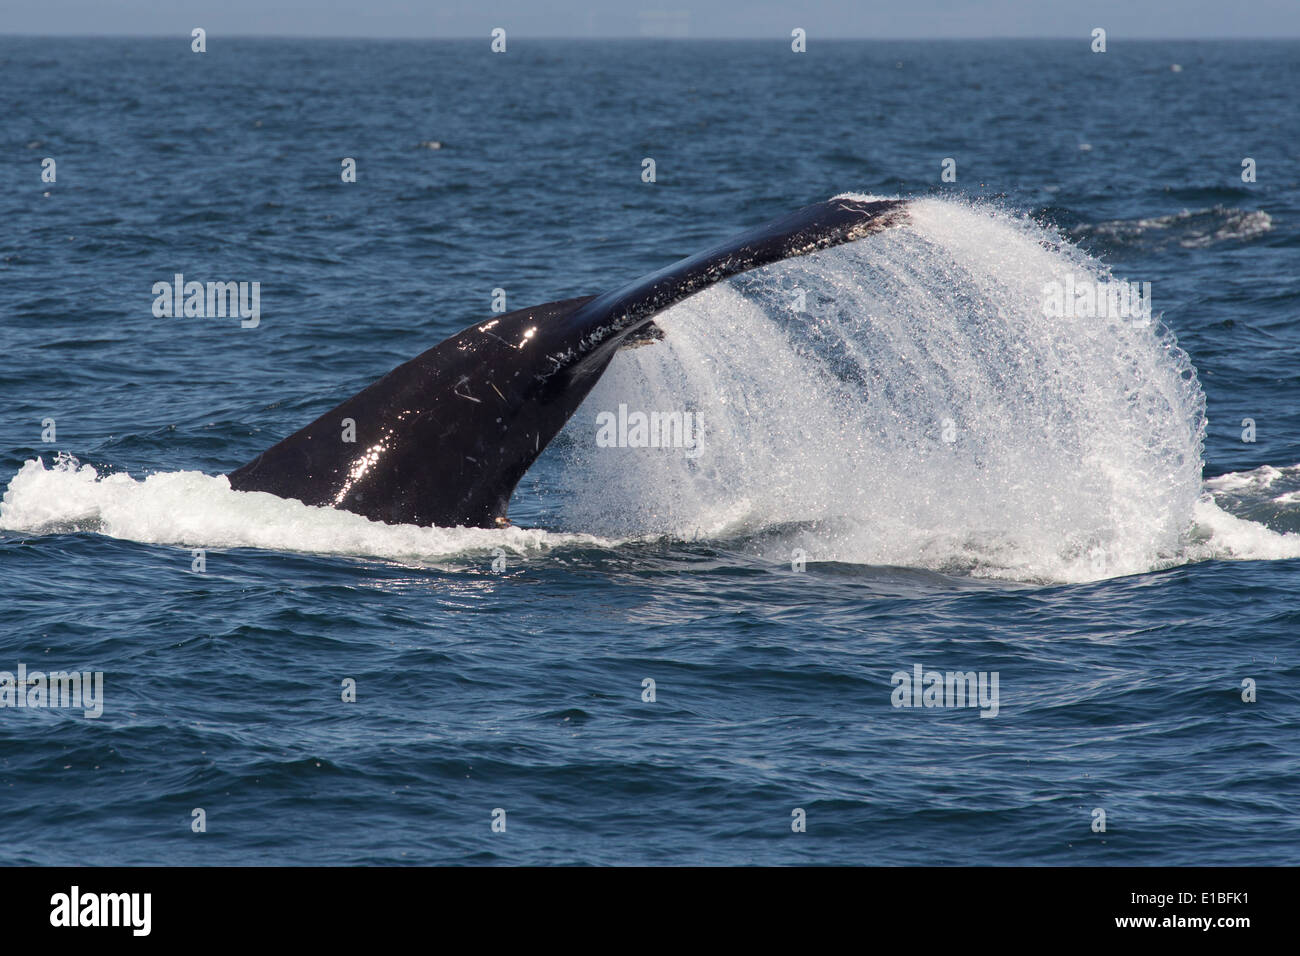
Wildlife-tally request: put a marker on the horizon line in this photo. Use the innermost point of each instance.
(779, 38)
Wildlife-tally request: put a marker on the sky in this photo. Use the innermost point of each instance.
(702, 19)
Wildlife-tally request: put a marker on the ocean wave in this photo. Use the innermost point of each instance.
(1191, 229)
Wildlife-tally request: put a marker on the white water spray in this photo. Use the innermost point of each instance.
(921, 411)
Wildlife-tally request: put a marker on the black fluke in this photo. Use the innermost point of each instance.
(444, 438)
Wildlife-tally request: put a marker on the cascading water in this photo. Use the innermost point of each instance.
(920, 410)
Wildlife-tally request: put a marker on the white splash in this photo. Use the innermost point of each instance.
(922, 411)
(191, 509)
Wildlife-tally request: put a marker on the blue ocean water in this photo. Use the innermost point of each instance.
(1066, 542)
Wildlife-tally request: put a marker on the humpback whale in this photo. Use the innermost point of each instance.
(444, 438)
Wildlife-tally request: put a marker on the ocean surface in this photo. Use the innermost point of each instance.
(920, 469)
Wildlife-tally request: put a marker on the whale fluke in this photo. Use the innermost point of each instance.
(444, 438)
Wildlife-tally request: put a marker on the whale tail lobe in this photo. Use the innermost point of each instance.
(444, 438)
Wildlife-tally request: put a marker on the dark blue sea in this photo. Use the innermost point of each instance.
(920, 470)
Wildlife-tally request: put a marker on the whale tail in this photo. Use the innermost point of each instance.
(444, 438)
